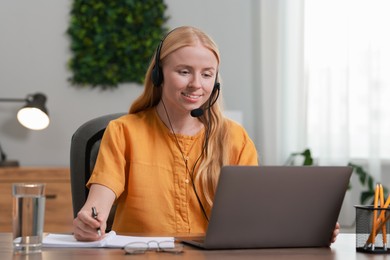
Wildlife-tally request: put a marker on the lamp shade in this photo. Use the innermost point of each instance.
(34, 114)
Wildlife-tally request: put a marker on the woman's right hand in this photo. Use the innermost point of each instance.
(85, 227)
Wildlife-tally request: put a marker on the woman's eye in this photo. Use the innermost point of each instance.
(184, 72)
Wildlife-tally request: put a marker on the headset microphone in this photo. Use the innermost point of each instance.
(197, 112)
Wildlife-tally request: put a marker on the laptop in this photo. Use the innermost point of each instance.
(275, 207)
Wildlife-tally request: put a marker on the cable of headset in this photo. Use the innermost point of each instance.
(204, 148)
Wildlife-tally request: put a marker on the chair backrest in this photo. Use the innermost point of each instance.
(84, 148)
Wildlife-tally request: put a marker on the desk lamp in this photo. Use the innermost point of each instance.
(33, 116)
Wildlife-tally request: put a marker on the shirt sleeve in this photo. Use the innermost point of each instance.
(243, 149)
(249, 154)
(110, 167)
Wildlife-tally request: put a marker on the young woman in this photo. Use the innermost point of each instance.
(160, 163)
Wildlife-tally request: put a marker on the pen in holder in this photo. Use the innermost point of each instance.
(372, 223)
(372, 228)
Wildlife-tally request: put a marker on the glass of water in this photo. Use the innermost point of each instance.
(28, 217)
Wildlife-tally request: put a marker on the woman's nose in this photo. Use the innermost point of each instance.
(196, 81)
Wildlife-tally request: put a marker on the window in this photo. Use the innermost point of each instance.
(347, 77)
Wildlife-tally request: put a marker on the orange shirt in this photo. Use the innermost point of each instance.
(139, 160)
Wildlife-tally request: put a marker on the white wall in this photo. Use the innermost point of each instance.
(34, 50)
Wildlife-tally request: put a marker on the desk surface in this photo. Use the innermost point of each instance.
(344, 248)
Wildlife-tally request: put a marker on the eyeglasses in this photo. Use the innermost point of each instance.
(163, 246)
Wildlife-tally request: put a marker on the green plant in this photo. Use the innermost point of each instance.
(113, 41)
(307, 158)
(365, 179)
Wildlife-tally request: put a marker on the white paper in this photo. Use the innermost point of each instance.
(110, 240)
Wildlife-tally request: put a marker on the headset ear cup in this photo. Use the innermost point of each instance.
(157, 76)
(217, 86)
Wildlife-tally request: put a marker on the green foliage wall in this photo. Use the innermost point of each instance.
(112, 42)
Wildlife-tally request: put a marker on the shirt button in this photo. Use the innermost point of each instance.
(187, 181)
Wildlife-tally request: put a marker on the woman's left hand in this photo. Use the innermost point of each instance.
(336, 231)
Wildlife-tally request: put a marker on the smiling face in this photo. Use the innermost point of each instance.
(189, 76)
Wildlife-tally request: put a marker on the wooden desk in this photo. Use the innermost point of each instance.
(58, 212)
(343, 249)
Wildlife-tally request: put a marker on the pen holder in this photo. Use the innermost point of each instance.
(372, 229)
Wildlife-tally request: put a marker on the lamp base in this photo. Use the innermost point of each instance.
(8, 163)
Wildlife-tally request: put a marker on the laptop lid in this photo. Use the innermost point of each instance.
(276, 206)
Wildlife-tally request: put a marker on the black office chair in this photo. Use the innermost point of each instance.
(84, 148)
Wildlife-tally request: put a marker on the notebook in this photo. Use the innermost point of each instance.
(110, 240)
(275, 206)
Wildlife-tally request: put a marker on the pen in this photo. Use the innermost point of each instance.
(375, 222)
(95, 215)
(382, 222)
(382, 217)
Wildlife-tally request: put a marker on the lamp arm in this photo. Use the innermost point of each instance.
(13, 99)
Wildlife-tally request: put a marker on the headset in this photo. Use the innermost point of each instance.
(157, 74)
(158, 77)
